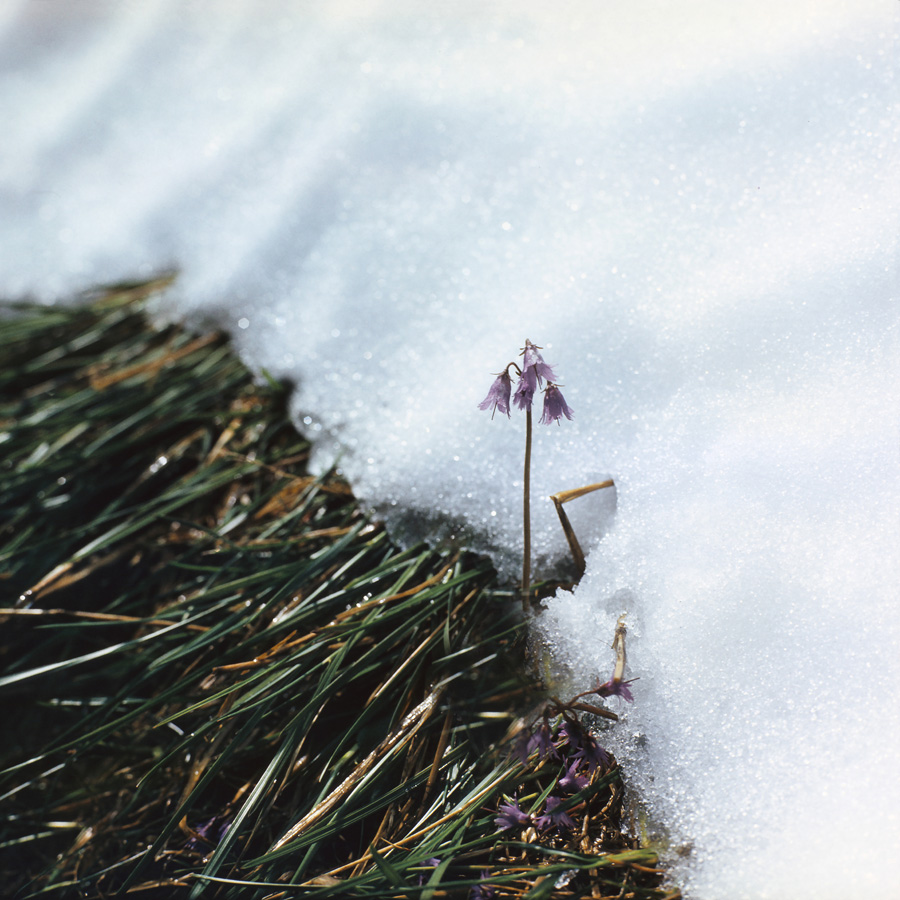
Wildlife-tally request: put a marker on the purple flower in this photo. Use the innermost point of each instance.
(498, 395)
(613, 688)
(542, 741)
(510, 815)
(572, 733)
(524, 394)
(534, 367)
(572, 781)
(433, 863)
(531, 377)
(522, 746)
(210, 832)
(553, 815)
(593, 754)
(483, 891)
(555, 406)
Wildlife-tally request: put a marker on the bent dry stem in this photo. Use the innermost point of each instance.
(564, 497)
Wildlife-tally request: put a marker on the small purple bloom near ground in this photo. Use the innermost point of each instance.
(553, 815)
(613, 688)
(593, 754)
(483, 891)
(509, 815)
(572, 782)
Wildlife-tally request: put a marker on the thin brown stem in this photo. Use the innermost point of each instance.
(526, 514)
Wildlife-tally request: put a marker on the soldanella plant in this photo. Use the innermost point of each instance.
(531, 376)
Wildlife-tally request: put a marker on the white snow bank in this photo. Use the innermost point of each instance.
(692, 207)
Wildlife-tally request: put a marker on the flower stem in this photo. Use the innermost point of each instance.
(526, 514)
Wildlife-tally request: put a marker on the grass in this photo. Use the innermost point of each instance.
(221, 678)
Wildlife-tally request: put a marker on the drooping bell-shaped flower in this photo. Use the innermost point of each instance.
(531, 377)
(555, 406)
(534, 367)
(498, 395)
(524, 394)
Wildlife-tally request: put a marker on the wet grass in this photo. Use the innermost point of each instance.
(221, 678)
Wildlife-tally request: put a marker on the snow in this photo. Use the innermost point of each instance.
(692, 207)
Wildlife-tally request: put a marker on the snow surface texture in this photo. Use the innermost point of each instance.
(691, 206)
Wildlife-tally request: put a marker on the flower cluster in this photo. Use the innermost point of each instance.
(532, 374)
(570, 740)
(569, 744)
(580, 757)
(566, 793)
(510, 815)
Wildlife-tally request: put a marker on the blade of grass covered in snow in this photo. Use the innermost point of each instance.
(232, 681)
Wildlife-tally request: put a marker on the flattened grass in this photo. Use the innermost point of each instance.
(220, 678)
